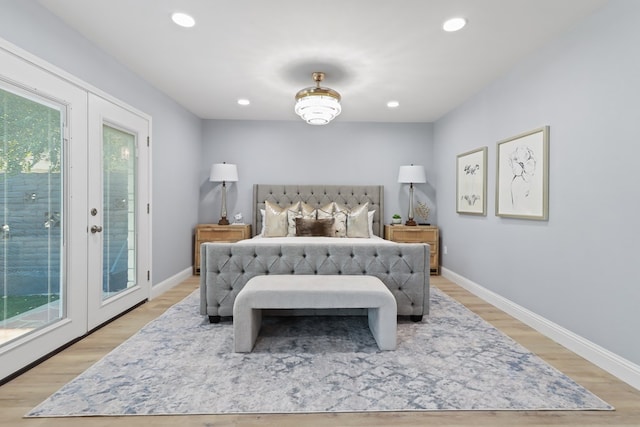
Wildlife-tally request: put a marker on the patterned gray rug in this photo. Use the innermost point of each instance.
(181, 364)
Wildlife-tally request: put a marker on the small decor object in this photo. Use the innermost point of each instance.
(423, 211)
(396, 219)
(237, 219)
(412, 174)
(223, 172)
(471, 182)
(522, 176)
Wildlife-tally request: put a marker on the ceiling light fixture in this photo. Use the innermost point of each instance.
(393, 104)
(454, 24)
(183, 19)
(318, 105)
(243, 101)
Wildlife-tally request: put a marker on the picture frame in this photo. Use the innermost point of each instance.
(471, 182)
(522, 176)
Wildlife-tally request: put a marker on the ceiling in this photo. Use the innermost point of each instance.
(372, 51)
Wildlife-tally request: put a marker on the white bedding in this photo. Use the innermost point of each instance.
(258, 240)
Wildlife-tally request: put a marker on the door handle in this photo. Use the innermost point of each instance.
(96, 229)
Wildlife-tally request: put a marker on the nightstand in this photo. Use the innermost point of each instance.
(217, 233)
(417, 234)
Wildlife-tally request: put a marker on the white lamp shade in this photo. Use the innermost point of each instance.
(223, 172)
(412, 174)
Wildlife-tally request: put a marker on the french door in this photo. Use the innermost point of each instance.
(43, 167)
(74, 210)
(117, 216)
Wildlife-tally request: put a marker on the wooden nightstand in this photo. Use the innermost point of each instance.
(217, 233)
(417, 234)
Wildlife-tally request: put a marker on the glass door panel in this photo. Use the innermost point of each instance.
(118, 218)
(119, 211)
(32, 287)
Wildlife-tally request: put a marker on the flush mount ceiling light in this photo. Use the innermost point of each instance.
(183, 19)
(454, 24)
(318, 105)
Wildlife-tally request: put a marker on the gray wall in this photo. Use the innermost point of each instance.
(297, 153)
(579, 268)
(176, 132)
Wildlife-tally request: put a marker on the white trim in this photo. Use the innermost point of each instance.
(616, 365)
(64, 75)
(165, 285)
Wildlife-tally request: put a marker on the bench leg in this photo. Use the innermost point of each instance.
(246, 326)
(383, 325)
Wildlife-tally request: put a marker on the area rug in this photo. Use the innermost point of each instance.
(182, 364)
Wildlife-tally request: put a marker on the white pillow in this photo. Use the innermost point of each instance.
(371, 233)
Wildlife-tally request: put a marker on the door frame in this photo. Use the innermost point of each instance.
(104, 112)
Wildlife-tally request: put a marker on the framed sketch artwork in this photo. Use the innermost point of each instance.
(522, 176)
(471, 182)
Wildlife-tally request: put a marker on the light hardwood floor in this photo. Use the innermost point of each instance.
(26, 391)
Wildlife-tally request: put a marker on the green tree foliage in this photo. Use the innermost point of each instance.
(29, 132)
(118, 149)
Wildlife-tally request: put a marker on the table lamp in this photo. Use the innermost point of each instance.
(412, 174)
(223, 172)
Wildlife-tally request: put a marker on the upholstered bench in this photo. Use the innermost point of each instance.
(313, 292)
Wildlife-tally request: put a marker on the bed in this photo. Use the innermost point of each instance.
(402, 267)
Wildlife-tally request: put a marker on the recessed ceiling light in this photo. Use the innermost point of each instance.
(454, 24)
(393, 104)
(243, 102)
(183, 19)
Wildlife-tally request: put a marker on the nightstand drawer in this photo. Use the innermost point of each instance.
(414, 236)
(232, 234)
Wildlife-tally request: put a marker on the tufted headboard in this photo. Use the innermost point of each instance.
(318, 196)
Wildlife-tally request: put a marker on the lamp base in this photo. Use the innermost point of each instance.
(223, 221)
(410, 222)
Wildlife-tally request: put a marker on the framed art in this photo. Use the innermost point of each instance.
(522, 176)
(471, 182)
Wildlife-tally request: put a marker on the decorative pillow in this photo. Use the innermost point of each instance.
(314, 227)
(275, 219)
(358, 221)
(326, 211)
(305, 211)
(339, 213)
(371, 213)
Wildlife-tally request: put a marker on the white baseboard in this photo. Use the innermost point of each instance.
(620, 367)
(165, 285)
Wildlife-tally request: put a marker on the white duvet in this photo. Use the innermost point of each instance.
(258, 240)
